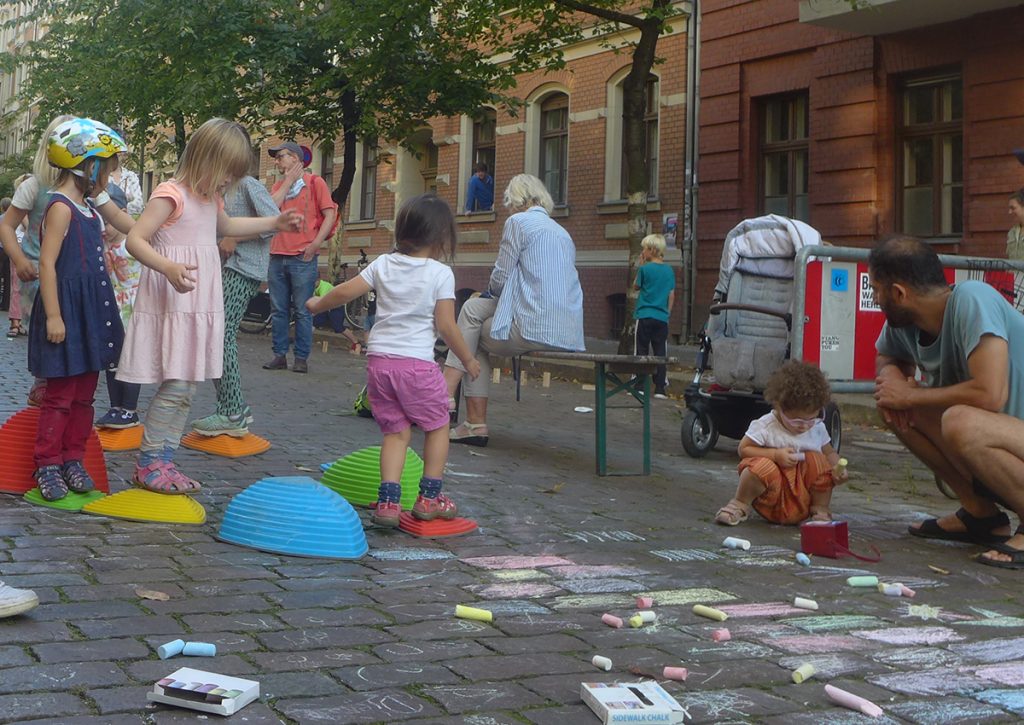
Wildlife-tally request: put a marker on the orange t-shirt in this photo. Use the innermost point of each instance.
(311, 203)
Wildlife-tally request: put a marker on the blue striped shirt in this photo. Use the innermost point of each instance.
(536, 283)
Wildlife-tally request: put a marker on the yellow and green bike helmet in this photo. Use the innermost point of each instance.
(74, 141)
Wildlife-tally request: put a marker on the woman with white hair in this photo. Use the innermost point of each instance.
(533, 301)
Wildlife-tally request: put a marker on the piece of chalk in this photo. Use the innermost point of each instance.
(480, 615)
(891, 590)
(801, 603)
(611, 620)
(803, 672)
(802, 559)
(675, 673)
(843, 462)
(799, 456)
(199, 649)
(731, 542)
(601, 663)
(710, 612)
(862, 581)
(721, 635)
(907, 591)
(170, 649)
(647, 616)
(853, 702)
(644, 602)
(636, 621)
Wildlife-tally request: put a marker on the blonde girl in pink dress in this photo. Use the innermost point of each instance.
(175, 335)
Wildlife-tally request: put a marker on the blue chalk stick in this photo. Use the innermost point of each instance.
(199, 649)
(803, 559)
(170, 649)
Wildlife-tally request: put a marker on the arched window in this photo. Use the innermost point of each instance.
(554, 145)
(484, 127)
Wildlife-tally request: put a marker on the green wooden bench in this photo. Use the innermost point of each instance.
(613, 374)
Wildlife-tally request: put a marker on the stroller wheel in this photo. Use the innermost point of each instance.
(699, 434)
(834, 425)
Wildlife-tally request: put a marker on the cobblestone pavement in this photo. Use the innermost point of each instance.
(375, 640)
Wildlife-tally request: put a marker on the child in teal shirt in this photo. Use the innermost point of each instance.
(656, 282)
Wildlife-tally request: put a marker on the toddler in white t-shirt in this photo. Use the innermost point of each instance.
(789, 466)
(415, 303)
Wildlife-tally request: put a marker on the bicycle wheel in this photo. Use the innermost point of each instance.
(355, 312)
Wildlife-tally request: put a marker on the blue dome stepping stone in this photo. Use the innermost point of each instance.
(296, 516)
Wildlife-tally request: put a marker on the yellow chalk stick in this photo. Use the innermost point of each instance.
(636, 621)
(710, 612)
(803, 672)
(480, 615)
(546, 380)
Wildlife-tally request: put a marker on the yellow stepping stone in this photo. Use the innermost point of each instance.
(137, 504)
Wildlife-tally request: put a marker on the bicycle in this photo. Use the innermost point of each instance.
(359, 313)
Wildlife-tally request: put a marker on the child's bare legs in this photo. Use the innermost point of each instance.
(821, 499)
(738, 509)
(392, 461)
(431, 503)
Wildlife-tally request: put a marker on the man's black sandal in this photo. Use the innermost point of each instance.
(978, 530)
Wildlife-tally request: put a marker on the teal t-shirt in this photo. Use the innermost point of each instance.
(974, 310)
(655, 281)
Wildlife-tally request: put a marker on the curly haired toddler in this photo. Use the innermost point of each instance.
(789, 466)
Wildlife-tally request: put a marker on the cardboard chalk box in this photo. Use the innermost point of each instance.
(631, 702)
(204, 691)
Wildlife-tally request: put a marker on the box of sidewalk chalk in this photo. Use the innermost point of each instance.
(631, 702)
(205, 691)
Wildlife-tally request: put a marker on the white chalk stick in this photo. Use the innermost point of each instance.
(801, 603)
(891, 590)
(731, 542)
(601, 663)
(647, 616)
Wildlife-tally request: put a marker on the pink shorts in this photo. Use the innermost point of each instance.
(405, 391)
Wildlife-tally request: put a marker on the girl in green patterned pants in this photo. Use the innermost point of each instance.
(245, 269)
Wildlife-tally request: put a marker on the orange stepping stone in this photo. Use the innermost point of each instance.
(436, 529)
(227, 446)
(17, 441)
(120, 439)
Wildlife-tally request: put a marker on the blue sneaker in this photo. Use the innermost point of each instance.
(118, 419)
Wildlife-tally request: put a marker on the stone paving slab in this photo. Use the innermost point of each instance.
(375, 640)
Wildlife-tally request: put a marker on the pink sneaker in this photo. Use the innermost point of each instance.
(386, 514)
(37, 393)
(428, 509)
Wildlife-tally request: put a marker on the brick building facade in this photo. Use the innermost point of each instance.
(569, 133)
(899, 117)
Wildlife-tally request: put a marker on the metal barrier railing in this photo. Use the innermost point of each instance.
(977, 268)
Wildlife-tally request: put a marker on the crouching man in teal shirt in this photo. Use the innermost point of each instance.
(965, 419)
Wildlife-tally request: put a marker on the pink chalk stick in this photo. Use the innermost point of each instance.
(853, 702)
(675, 673)
(907, 591)
(721, 635)
(644, 602)
(611, 620)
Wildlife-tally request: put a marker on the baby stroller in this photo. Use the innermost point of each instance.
(748, 333)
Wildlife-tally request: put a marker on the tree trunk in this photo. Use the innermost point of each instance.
(179, 134)
(634, 90)
(350, 116)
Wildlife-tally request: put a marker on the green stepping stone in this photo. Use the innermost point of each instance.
(72, 502)
(357, 477)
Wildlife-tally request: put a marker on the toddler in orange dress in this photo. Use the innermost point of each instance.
(789, 466)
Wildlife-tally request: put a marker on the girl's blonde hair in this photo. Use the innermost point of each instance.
(526, 190)
(41, 167)
(654, 242)
(218, 149)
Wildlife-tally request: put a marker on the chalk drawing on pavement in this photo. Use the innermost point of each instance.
(941, 681)
(411, 554)
(766, 609)
(994, 619)
(907, 636)
(835, 622)
(950, 711)
(603, 537)
(1012, 700)
(828, 666)
(515, 562)
(687, 555)
(514, 590)
(991, 650)
(817, 643)
(596, 571)
(594, 586)
(666, 597)
(1009, 673)
(519, 575)
(917, 658)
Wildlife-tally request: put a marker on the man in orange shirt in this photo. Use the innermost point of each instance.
(293, 255)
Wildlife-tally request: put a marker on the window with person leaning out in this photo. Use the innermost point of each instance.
(481, 190)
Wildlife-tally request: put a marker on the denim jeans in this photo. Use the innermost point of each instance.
(291, 282)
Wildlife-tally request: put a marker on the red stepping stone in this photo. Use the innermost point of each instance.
(17, 440)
